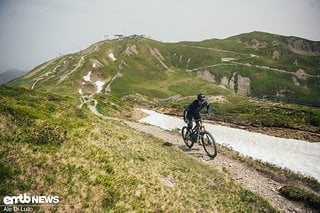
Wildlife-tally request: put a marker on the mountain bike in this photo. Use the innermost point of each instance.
(200, 135)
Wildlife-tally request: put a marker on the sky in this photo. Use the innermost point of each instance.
(35, 31)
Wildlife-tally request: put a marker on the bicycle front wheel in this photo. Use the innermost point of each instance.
(186, 138)
(209, 144)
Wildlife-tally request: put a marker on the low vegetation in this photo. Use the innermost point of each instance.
(298, 194)
(50, 146)
(117, 168)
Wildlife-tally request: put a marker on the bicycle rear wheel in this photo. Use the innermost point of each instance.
(187, 140)
(209, 144)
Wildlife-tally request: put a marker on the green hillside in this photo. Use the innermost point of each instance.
(51, 143)
(49, 146)
(247, 70)
(255, 64)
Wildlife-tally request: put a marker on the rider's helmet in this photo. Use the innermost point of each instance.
(201, 97)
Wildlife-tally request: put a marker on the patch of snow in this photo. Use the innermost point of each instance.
(80, 92)
(227, 59)
(87, 77)
(94, 65)
(299, 156)
(164, 121)
(112, 57)
(99, 85)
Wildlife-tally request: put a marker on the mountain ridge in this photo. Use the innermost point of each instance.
(10, 75)
(250, 63)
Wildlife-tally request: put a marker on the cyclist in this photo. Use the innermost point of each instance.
(192, 111)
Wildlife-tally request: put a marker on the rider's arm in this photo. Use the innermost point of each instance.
(208, 108)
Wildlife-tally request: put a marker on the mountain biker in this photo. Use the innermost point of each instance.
(193, 110)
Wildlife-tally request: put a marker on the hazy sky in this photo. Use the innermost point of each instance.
(34, 31)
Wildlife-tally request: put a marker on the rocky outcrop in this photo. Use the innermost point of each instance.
(256, 44)
(131, 50)
(218, 99)
(301, 74)
(295, 81)
(275, 43)
(304, 47)
(243, 85)
(276, 54)
(228, 83)
(224, 82)
(206, 75)
(232, 82)
(283, 93)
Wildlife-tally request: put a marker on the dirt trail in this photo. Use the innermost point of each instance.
(247, 176)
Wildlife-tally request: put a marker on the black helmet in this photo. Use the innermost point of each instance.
(201, 97)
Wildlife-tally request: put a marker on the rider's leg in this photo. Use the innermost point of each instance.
(188, 119)
(189, 124)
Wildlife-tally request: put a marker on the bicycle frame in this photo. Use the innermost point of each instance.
(201, 136)
(198, 129)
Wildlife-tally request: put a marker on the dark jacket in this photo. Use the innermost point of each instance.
(195, 107)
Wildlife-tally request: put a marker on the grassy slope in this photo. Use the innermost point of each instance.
(144, 74)
(49, 147)
(263, 82)
(144, 69)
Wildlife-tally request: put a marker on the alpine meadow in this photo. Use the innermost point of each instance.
(64, 126)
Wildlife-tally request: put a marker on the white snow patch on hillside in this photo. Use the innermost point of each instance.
(87, 77)
(112, 57)
(299, 156)
(99, 85)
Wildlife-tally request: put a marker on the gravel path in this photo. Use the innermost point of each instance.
(296, 155)
(247, 176)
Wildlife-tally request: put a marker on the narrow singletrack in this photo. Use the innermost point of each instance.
(242, 173)
(245, 175)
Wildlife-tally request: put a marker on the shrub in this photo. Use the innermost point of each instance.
(49, 134)
(297, 194)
